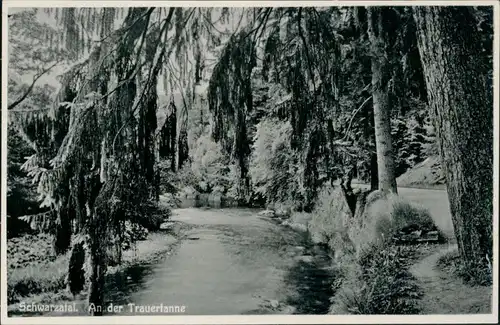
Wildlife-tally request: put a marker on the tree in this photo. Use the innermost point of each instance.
(102, 169)
(381, 105)
(459, 89)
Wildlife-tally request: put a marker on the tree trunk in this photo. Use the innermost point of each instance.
(381, 107)
(96, 292)
(76, 273)
(62, 236)
(373, 172)
(460, 99)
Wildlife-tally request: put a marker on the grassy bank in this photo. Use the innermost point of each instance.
(451, 263)
(373, 271)
(35, 275)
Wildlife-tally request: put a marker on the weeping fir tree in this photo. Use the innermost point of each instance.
(302, 56)
(230, 101)
(103, 171)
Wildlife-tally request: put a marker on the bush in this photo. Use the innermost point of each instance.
(381, 284)
(452, 264)
(372, 270)
(132, 233)
(383, 218)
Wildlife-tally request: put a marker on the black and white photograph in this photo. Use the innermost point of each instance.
(246, 159)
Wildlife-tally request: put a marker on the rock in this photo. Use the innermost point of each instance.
(274, 303)
(267, 213)
(300, 248)
(167, 226)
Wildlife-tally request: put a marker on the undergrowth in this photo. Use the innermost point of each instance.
(373, 276)
(381, 285)
(46, 276)
(451, 263)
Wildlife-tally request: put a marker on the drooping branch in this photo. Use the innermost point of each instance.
(354, 115)
(30, 88)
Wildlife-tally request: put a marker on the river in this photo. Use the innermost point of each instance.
(232, 261)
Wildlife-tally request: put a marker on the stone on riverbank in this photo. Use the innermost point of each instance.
(267, 214)
(167, 226)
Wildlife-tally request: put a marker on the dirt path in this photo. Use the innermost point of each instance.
(444, 293)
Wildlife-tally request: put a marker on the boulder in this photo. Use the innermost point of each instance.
(167, 226)
(267, 214)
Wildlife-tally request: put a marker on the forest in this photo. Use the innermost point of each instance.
(117, 114)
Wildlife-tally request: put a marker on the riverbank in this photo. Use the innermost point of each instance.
(36, 276)
(377, 276)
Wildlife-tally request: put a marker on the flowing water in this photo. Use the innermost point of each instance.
(231, 262)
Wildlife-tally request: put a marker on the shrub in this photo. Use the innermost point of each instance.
(132, 233)
(383, 218)
(173, 182)
(373, 271)
(380, 285)
(452, 264)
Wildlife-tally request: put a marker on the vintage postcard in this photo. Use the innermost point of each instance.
(237, 162)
